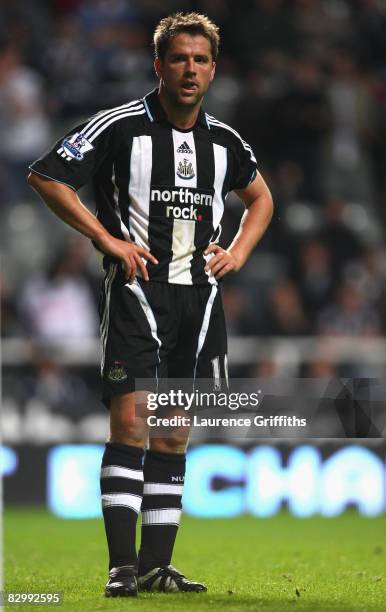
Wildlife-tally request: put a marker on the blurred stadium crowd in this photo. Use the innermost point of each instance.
(303, 81)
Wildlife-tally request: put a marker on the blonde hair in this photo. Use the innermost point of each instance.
(190, 23)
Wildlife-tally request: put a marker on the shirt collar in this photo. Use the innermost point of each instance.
(156, 113)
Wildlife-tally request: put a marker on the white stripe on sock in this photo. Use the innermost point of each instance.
(155, 488)
(128, 500)
(116, 471)
(163, 516)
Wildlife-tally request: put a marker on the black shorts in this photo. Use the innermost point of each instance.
(155, 330)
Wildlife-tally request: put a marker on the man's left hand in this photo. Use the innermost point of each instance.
(221, 263)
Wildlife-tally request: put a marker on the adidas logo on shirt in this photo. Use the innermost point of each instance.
(184, 148)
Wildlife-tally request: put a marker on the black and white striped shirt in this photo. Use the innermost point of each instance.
(161, 187)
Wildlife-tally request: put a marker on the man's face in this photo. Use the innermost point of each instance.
(187, 69)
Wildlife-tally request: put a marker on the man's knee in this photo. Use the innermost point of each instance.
(126, 426)
(175, 444)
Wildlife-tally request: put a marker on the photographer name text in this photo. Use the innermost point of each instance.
(197, 421)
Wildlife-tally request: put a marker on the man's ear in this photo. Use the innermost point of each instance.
(158, 67)
(213, 71)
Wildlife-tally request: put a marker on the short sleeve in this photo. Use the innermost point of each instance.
(76, 157)
(245, 166)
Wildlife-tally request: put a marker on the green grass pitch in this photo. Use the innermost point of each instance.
(280, 563)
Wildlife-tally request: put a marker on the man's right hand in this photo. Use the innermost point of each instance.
(130, 255)
(65, 203)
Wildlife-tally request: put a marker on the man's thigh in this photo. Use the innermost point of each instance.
(137, 330)
(201, 351)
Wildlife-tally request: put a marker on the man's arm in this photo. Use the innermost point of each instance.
(255, 220)
(65, 203)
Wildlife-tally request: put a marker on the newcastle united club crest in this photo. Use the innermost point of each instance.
(117, 372)
(185, 170)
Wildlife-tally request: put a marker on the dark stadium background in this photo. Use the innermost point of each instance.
(304, 82)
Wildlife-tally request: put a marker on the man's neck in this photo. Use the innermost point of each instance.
(181, 117)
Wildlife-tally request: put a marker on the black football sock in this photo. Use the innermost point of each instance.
(121, 488)
(164, 475)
